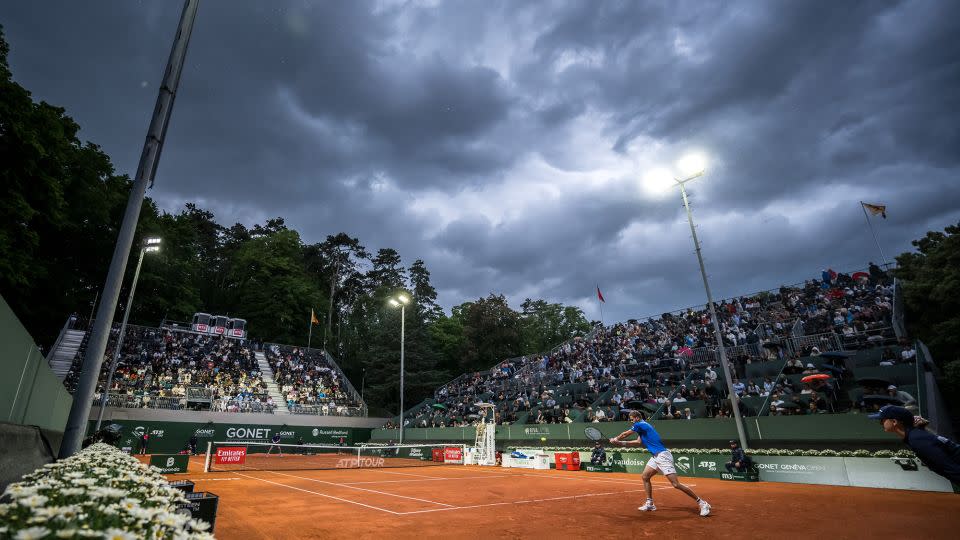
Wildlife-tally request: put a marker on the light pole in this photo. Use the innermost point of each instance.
(694, 166)
(79, 416)
(401, 301)
(151, 245)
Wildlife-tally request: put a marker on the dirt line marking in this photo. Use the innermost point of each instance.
(360, 488)
(521, 502)
(321, 494)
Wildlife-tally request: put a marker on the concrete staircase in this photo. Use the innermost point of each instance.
(66, 351)
(272, 389)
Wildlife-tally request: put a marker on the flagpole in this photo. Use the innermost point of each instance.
(874, 233)
(310, 333)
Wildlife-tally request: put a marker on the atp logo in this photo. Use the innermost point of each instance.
(708, 465)
(683, 463)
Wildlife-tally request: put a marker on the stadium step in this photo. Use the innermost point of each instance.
(66, 351)
(272, 389)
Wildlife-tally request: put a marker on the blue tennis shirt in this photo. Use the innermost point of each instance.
(649, 437)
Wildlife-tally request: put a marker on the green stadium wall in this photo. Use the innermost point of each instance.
(825, 430)
(30, 394)
(835, 471)
(172, 437)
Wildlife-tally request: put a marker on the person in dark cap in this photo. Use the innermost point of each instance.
(939, 454)
(739, 459)
(599, 455)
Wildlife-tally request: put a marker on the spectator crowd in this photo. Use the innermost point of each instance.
(665, 364)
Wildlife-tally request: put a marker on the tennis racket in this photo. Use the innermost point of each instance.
(594, 434)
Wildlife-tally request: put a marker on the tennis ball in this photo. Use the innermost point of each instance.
(543, 439)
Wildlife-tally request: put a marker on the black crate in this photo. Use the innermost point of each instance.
(185, 486)
(201, 505)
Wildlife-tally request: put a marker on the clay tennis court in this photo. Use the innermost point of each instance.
(456, 501)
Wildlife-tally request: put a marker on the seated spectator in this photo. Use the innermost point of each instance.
(907, 401)
(710, 375)
(908, 354)
(810, 370)
(813, 407)
(753, 389)
(793, 367)
(687, 414)
(738, 387)
(669, 410)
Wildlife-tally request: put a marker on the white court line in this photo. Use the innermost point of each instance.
(631, 482)
(404, 474)
(426, 479)
(521, 502)
(362, 489)
(322, 495)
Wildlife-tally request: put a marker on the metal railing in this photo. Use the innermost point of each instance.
(322, 410)
(232, 405)
(897, 318)
(199, 393)
(127, 401)
(797, 329)
(824, 342)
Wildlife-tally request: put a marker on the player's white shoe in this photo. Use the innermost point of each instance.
(704, 508)
(647, 507)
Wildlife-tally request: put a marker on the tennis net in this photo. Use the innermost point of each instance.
(259, 456)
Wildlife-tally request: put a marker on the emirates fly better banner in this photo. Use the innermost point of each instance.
(230, 454)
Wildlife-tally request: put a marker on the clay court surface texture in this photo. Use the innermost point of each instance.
(457, 501)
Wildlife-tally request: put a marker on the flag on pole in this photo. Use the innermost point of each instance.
(600, 295)
(876, 209)
(313, 317)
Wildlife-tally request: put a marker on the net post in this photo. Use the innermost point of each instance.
(206, 461)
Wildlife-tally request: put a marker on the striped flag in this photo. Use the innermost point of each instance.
(876, 209)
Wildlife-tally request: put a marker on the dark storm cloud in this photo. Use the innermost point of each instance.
(503, 142)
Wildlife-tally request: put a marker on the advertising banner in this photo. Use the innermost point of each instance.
(802, 470)
(453, 454)
(230, 454)
(170, 463)
(171, 437)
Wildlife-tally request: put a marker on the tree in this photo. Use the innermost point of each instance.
(931, 291)
(60, 210)
(492, 332)
(546, 325)
(423, 292)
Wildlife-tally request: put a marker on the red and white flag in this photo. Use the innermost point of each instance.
(600, 295)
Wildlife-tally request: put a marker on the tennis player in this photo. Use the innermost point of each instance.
(662, 461)
(275, 442)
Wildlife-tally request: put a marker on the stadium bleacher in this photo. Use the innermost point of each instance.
(310, 383)
(672, 360)
(174, 368)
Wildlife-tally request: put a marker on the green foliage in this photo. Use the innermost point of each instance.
(931, 291)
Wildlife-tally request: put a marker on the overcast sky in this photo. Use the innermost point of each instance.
(505, 142)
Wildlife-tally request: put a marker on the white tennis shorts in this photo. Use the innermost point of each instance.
(662, 462)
